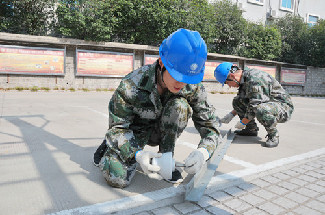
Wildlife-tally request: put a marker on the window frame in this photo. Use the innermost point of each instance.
(287, 9)
(314, 15)
(259, 2)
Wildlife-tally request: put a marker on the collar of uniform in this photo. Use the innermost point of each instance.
(147, 81)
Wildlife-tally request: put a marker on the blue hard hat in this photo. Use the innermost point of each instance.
(222, 71)
(184, 54)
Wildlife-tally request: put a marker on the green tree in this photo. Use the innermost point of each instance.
(147, 21)
(317, 39)
(227, 28)
(262, 42)
(295, 39)
(27, 16)
(86, 20)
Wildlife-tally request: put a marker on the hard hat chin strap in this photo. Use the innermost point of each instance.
(161, 71)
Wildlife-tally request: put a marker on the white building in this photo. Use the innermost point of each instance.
(264, 11)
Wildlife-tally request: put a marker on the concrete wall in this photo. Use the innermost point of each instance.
(314, 85)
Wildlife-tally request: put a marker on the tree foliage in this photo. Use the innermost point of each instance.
(294, 36)
(317, 38)
(228, 28)
(261, 42)
(27, 16)
(87, 20)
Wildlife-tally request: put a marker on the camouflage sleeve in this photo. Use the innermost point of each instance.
(205, 121)
(256, 94)
(119, 136)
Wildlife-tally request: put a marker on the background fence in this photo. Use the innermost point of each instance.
(28, 61)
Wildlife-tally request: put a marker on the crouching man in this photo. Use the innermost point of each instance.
(259, 96)
(152, 106)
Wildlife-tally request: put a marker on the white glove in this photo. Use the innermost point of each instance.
(144, 158)
(240, 125)
(226, 119)
(195, 160)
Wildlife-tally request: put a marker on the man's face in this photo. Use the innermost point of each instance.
(171, 84)
(230, 82)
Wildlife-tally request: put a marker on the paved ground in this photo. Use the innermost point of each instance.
(47, 140)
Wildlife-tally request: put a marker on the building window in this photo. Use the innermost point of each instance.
(259, 2)
(287, 4)
(312, 19)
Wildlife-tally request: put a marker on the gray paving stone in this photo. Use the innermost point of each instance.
(321, 198)
(254, 211)
(321, 183)
(277, 189)
(271, 179)
(252, 199)
(206, 201)
(298, 181)
(220, 196)
(220, 210)
(260, 183)
(287, 185)
(186, 207)
(299, 170)
(165, 211)
(316, 188)
(314, 174)
(237, 205)
(308, 166)
(305, 210)
(291, 173)
(248, 187)
(307, 192)
(317, 205)
(285, 203)
(201, 212)
(143, 213)
(296, 197)
(264, 194)
(234, 191)
(320, 171)
(307, 178)
(281, 175)
(271, 208)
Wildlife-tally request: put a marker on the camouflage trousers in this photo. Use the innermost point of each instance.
(268, 114)
(173, 121)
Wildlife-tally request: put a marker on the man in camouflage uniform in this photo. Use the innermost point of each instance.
(259, 95)
(152, 106)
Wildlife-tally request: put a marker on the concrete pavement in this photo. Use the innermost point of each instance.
(47, 140)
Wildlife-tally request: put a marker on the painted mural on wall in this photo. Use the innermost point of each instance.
(33, 61)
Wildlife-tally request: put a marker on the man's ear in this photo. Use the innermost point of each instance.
(231, 75)
(161, 63)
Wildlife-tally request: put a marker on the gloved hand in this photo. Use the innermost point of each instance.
(226, 119)
(195, 160)
(144, 159)
(240, 125)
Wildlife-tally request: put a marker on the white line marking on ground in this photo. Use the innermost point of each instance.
(239, 162)
(227, 158)
(93, 110)
(313, 123)
(163, 194)
(265, 166)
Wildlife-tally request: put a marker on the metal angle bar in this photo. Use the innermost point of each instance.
(196, 187)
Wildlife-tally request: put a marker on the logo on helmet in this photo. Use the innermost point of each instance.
(193, 66)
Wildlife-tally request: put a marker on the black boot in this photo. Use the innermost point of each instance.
(100, 153)
(250, 130)
(247, 132)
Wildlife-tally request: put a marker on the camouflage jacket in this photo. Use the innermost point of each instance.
(258, 87)
(136, 106)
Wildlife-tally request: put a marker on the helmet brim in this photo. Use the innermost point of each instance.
(188, 79)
